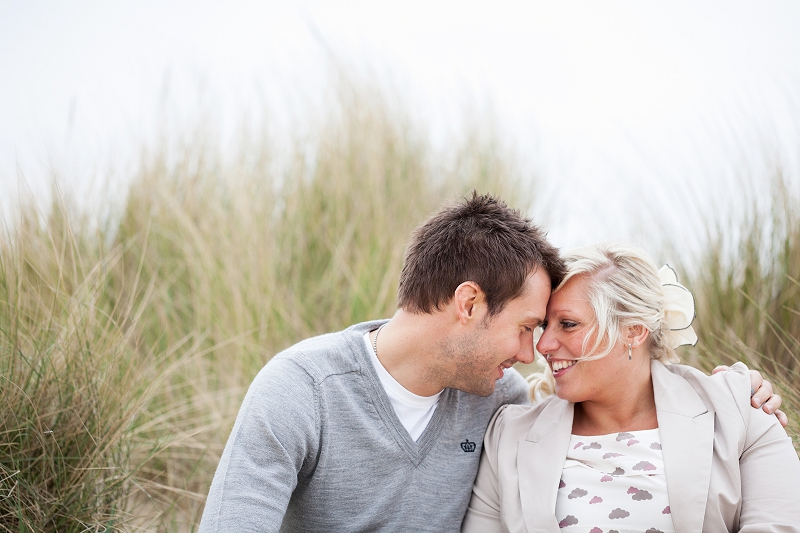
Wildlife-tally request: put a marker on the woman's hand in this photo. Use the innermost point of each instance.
(761, 395)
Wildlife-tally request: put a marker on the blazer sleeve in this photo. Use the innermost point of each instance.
(483, 513)
(769, 466)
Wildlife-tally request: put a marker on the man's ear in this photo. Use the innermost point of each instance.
(637, 335)
(468, 300)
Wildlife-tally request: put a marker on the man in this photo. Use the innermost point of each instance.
(380, 427)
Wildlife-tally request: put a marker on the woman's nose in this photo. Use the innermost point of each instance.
(546, 343)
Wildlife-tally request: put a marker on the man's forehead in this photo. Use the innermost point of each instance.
(534, 306)
(537, 288)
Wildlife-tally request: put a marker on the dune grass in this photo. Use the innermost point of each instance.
(127, 347)
(747, 289)
(73, 377)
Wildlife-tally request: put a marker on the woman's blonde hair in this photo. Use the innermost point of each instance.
(624, 290)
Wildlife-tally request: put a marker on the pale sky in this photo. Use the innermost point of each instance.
(616, 106)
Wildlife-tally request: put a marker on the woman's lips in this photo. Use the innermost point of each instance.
(561, 366)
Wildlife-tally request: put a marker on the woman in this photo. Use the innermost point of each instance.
(631, 442)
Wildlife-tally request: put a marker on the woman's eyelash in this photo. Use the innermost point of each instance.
(565, 324)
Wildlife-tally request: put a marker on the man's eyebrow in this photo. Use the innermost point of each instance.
(533, 319)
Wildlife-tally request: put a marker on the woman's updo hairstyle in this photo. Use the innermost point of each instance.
(624, 290)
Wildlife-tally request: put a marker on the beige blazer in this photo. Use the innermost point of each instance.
(729, 467)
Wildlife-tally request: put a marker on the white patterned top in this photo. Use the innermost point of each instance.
(614, 483)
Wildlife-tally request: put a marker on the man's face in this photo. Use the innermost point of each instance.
(496, 343)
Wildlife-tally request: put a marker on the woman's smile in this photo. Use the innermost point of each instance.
(560, 367)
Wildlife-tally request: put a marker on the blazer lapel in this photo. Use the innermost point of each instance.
(541, 457)
(686, 429)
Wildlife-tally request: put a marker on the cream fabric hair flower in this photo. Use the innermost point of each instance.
(678, 309)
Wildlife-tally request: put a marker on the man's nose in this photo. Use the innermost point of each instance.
(526, 354)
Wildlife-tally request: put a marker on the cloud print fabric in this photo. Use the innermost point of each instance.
(614, 483)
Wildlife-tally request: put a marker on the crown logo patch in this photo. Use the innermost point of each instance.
(468, 446)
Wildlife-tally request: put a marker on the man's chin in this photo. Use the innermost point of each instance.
(485, 388)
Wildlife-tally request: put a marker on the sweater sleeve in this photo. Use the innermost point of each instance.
(274, 436)
(769, 466)
(515, 388)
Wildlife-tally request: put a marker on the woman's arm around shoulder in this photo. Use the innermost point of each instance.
(769, 466)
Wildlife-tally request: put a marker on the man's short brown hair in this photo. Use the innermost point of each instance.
(479, 239)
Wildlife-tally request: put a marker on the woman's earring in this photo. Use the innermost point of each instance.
(630, 350)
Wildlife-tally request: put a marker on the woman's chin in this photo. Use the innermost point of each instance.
(568, 394)
(562, 393)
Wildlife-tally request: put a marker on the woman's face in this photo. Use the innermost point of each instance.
(568, 322)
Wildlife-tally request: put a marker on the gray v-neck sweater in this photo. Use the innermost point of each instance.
(318, 447)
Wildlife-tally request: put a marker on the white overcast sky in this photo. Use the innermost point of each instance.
(616, 105)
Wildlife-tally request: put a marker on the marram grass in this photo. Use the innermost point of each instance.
(125, 351)
(747, 288)
(73, 377)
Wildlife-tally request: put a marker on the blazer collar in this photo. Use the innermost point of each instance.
(540, 460)
(673, 393)
(686, 429)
